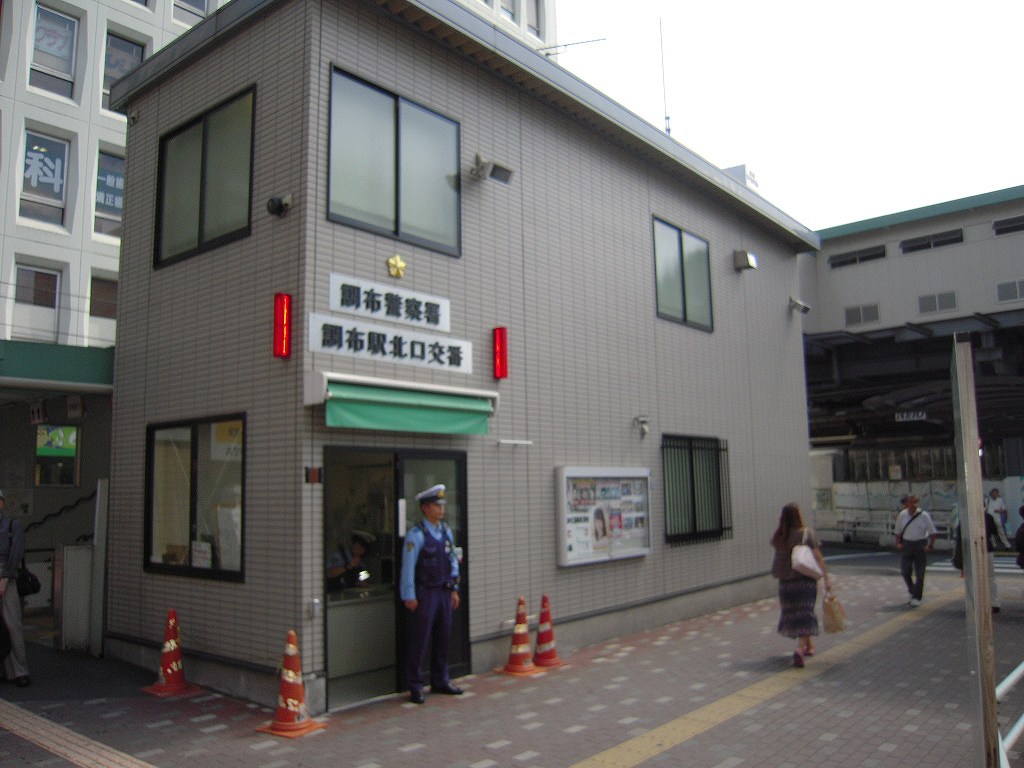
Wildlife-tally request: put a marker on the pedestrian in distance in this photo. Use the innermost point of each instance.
(430, 592)
(996, 507)
(915, 538)
(12, 549)
(798, 594)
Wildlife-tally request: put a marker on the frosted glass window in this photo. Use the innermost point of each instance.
(394, 166)
(206, 181)
(429, 148)
(683, 276)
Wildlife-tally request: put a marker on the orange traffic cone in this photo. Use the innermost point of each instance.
(519, 655)
(546, 654)
(291, 719)
(172, 671)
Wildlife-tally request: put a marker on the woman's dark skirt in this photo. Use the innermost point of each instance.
(797, 597)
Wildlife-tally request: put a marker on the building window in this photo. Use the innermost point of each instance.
(938, 302)
(867, 313)
(36, 304)
(122, 57)
(43, 191)
(510, 10)
(927, 242)
(856, 257)
(698, 505)
(36, 287)
(103, 298)
(194, 497)
(205, 182)
(394, 166)
(683, 266)
(53, 55)
(190, 11)
(109, 194)
(534, 17)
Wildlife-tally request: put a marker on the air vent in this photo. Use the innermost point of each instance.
(1011, 291)
(1008, 226)
(939, 302)
(867, 313)
(939, 239)
(856, 257)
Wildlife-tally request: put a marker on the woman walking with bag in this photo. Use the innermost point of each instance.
(797, 593)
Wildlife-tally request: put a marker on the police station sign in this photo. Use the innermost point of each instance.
(376, 301)
(420, 318)
(353, 337)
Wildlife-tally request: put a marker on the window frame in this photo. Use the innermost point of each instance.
(117, 220)
(39, 200)
(162, 202)
(188, 568)
(102, 306)
(186, 12)
(681, 236)
(42, 75)
(399, 232)
(107, 79)
(687, 511)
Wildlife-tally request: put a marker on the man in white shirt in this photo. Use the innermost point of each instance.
(915, 538)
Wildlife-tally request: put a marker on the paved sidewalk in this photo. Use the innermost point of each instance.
(716, 691)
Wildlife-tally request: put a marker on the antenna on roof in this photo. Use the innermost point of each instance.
(554, 50)
(664, 96)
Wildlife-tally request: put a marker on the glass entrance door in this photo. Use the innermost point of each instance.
(369, 504)
(359, 574)
(419, 472)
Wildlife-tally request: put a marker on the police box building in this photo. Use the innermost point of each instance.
(374, 246)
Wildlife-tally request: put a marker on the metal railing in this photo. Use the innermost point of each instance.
(1007, 743)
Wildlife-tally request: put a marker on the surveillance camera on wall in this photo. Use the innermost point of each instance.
(799, 306)
(279, 206)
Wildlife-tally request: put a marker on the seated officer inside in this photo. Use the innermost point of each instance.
(346, 567)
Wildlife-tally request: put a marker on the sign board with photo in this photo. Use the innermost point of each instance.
(603, 514)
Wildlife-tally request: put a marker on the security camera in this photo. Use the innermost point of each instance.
(279, 206)
(799, 306)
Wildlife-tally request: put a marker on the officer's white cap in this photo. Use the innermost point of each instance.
(363, 536)
(434, 494)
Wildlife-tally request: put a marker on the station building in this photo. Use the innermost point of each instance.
(374, 245)
(888, 295)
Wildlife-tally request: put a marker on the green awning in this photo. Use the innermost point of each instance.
(405, 410)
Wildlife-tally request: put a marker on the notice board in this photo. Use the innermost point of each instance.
(603, 513)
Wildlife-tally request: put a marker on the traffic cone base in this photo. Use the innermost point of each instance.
(172, 670)
(546, 654)
(519, 662)
(291, 719)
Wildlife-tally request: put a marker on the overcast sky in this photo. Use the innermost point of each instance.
(843, 111)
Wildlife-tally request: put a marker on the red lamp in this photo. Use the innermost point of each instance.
(501, 353)
(282, 325)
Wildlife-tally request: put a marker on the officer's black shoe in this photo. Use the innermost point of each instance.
(448, 690)
(22, 682)
(416, 697)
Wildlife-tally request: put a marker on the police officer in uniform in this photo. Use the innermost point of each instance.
(430, 591)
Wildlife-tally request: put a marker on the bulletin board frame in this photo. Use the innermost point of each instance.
(603, 514)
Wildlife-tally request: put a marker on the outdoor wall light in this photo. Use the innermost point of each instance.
(279, 205)
(486, 169)
(744, 260)
(799, 306)
(642, 424)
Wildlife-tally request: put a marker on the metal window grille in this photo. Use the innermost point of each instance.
(697, 501)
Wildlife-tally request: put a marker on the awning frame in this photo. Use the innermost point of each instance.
(315, 391)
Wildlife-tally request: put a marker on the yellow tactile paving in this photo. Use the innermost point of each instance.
(658, 740)
(60, 741)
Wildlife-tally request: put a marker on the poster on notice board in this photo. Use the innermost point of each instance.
(603, 514)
